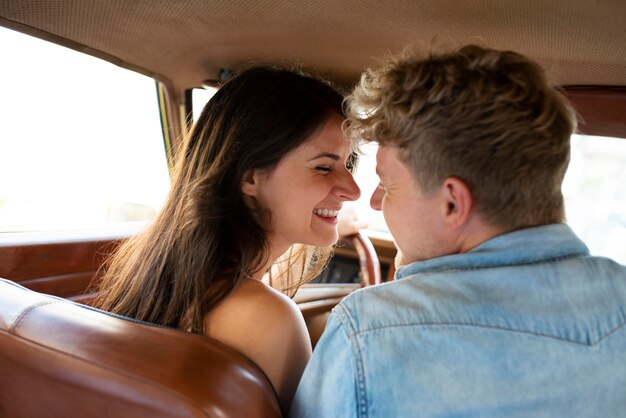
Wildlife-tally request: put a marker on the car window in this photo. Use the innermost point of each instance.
(81, 145)
(595, 194)
(200, 97)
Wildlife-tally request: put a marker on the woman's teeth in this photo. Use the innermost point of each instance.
(327, 213)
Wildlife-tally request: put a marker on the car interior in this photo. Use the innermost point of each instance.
(61, 357)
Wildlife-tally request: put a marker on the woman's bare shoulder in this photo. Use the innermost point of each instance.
(254, 303)
(267, 327)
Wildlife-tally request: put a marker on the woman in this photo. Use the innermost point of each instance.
(265, 167)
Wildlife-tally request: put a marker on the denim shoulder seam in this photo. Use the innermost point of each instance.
(462, 324)
(351, 334)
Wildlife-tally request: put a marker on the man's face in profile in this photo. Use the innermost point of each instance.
(413, 218)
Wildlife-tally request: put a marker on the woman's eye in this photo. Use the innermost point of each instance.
(323, 169)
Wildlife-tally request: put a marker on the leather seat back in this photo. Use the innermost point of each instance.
(62, 359)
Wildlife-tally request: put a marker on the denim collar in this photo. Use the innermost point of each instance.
(524, 246)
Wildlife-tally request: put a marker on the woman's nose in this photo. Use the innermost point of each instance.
(377, 198)
(348, 189)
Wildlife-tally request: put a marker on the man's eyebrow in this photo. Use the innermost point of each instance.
(326, 155)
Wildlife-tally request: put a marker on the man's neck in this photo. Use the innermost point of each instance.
(475, 232)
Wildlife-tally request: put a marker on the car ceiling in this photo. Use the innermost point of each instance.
(185, 42)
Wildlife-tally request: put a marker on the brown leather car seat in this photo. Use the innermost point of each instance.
(62, 359)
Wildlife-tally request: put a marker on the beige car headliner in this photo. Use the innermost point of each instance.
(185, 42)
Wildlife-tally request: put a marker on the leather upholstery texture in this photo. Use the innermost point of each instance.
(62, 359)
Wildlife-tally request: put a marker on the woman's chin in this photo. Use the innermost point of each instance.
(331, 240)
(323, 240)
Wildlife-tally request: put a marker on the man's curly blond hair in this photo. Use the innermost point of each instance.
(485, 116)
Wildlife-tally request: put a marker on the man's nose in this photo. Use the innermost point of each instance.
(377, 198)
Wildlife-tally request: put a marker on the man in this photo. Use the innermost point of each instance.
(497, 308)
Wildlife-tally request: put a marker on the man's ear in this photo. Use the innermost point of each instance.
(459, 202)
(249, 183)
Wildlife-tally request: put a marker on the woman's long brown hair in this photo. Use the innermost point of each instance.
(205, 242)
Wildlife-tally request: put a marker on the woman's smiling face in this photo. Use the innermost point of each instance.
(304, 192)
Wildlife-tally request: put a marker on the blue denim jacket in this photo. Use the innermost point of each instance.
(527, 324)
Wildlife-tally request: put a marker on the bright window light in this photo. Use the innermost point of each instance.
(81, 144)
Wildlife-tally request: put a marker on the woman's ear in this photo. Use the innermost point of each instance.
(459, 202)
(249, 183)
